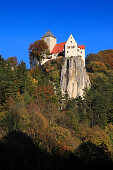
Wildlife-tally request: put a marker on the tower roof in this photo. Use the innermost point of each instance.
(48, 34)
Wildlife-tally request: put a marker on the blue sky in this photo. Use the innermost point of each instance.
(24, 21)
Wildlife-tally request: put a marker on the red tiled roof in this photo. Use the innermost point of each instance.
(81, 46)
(58, 48)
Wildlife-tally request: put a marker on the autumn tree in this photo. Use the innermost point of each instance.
(108, 57)
(38, 74)
(13, 61)
(16, 117)
(103, 60)
(38, 50)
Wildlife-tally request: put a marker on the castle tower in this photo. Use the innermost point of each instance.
(50, 39)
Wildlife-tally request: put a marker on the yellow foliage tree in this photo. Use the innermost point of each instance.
(95, 135)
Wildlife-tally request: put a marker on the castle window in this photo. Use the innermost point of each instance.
(68, 46)
(81, 51)
(71, 41)
(72, 46)
(67, 51)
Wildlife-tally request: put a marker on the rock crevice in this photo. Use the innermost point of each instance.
(74, 78)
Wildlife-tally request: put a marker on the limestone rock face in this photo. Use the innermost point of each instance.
(74, 77)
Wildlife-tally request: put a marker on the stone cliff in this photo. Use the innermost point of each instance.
(74, 77)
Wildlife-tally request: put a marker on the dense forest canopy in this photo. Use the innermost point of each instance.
(31, 103)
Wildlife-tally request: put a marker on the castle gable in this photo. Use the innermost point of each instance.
(70, 47)
(71, 40)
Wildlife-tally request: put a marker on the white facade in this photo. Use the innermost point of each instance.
(72, 49)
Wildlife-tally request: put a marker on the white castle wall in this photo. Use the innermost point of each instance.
(81, 52)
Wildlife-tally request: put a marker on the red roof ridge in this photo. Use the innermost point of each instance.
(81, 46)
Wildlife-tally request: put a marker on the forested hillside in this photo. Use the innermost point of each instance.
(40, 129)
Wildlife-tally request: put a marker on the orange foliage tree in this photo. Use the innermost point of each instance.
(102, 60)
(13, 61)
(38, 49)
(108, 57)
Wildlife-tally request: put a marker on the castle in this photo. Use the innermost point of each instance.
(66, 49)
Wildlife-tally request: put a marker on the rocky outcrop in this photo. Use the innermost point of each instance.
(74, 77)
